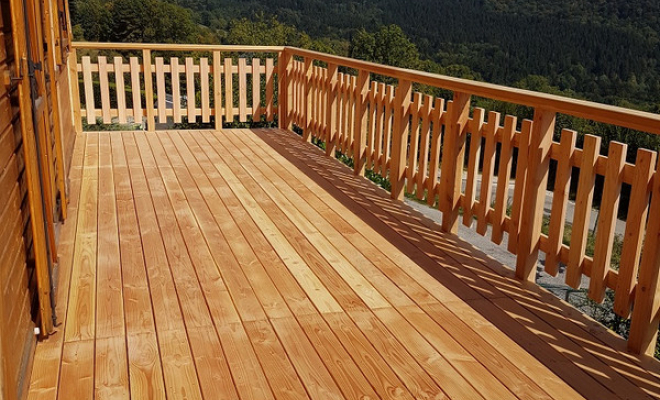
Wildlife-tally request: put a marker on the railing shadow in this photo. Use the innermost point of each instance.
(574, 347)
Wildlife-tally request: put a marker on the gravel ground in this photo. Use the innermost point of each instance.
(500, 253)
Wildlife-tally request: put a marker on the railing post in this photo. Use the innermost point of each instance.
(74, 91)
(360, 128)
(217, 89)
(284, 95)
(645, 316)
(149, 90)
(331, 115)
(399, 138)
(309, 69)
(534, 197)
(453, 153)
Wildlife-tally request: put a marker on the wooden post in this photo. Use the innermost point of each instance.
(401, 107)
(645, 318)
(609, 207)
(149, 90)
(638, 207)
(74, 91)
(331, 115)
(360, 127)
(309, 100)
(534, 196)
(217, 89)
(582, 210)
(285, 92)
(453, 153)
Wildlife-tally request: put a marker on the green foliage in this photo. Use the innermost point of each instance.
(142, 21)
(265, 31)
(389, 45)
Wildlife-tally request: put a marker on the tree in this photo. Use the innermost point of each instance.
(265, 32)
(389, 45)
(150, 21)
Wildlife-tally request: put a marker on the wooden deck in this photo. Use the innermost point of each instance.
(245, 264)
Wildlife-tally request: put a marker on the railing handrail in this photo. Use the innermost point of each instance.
(175, 47)
(623, 117)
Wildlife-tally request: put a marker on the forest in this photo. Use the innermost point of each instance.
(606, 51)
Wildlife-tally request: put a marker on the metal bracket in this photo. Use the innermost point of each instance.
(9, 77)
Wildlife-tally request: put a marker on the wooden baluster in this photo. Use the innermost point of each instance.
(75, 90)
(217, 89)
(473, 165)
(333, 82)
(90, 107)
(424, 144)
(176, 89)
(285, 90)
(256, 90)
(360, 117)
(270, 88)
(160, 90)
(387, 130)
(582, 213)
(559, 201)
(350, 121)
(534, 194)
(190, 90)
(204, 83)
(519, 187)
(634, 233)
(242, 89)
(438, 117)
(413, 150)
(401, 109)
(371, 134)
(342, 110)
(503, 176)
(644, 324)
(229, 91)
(136, 85)
(308, 100)
(607, 216)
(149, 90)
(121, 89)
(486, 189)
(380, 119)
(104, 84)
(452, 161)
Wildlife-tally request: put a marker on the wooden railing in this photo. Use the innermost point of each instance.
(157, 86)
(438, 150)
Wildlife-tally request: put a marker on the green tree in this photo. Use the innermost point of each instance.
(91, 18)
(150, 21)
(265, 31)
(389, 45)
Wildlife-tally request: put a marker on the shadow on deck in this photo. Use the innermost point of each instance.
(246, 263)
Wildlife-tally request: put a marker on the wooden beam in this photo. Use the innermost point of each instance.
(645, 318)
(217, 88)
(308, 100)
(148, 90)
(74, 91)
(285, 91)
(360, 117)
(400, 134)
(331, 115)
(453, 153)
(534, 197)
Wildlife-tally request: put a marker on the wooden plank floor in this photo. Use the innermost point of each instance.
(246, 265)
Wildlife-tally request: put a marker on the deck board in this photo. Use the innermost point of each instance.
(245, 264)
